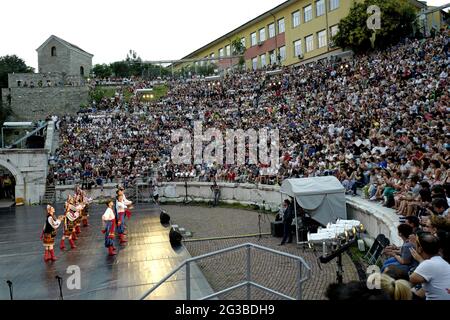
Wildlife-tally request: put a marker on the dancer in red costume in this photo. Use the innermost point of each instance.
(119, 212)
(109, 224)
(49, 233)
(69, 224)
(128, 203)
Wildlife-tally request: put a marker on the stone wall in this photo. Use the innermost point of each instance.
(78, 60)
(54, 79)
(36, 103)
(48, 79)
(29, 168)
(374, 217)
(59, 63)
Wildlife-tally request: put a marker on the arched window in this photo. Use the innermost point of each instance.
(53, 51)
(82, 71)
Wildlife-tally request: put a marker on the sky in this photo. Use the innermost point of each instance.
(156, 30)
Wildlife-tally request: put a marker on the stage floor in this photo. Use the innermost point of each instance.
(140, 264)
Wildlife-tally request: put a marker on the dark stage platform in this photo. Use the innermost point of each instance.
(140, 264)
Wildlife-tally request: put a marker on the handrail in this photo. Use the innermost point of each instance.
(301, 264)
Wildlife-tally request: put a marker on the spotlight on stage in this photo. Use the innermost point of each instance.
(164, 217)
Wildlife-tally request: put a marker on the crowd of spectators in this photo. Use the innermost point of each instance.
(379, 123)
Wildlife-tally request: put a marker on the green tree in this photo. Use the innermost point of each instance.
(239, 49)
(102, 70)
(397, 21)
(121, 69)
(11, 64)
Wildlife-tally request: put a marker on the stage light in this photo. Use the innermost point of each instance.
(152, 96)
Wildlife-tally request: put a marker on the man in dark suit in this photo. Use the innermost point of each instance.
(288, 216)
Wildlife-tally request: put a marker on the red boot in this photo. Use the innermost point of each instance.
(111, 251)
(122, 238)
(72, 244)
(52, 255)
(46, 255)
(62, 245)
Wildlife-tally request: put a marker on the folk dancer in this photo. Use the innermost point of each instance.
(119, 211)
(127, 202)
(85, 210)
(109, 225)
(79, 205)
(71, 216)
(49, 233)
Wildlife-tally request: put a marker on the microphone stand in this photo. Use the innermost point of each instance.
(10, 285)
(60, 287)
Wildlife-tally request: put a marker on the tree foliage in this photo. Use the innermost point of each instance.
(11, 64)
(102, 70)
(239, 49)
(398, 19)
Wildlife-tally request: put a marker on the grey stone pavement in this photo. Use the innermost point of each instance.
(273, 271)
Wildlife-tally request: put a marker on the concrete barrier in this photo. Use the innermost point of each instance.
(374, 217)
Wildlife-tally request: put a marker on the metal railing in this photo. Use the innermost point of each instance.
(303, 273)
(20, 142)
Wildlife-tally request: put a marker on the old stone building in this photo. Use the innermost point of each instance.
(58, 55)
(59, 88)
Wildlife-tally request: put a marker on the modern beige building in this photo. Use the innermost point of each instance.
(295, 31)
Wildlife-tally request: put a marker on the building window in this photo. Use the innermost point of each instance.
(228, 50)
(307, 13)
(255, 63)
(271, 30)
(282, 53)
(334, 30)
(263, 60)
(253, 39)
(221, 52)
(281, 26)
(295, 19)
(298, 48)
(320, 8)
(262, 35)
(322, 36)
(53, 51)
(273, 57)
(334, 4)
(82, 71)
(309, 41)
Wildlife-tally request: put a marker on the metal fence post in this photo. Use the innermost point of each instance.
(188, 280)
(299, 293)
(249, 272)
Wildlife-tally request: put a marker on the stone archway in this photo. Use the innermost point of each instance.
(20, 181)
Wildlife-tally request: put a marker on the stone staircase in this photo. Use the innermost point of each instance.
(49, 196)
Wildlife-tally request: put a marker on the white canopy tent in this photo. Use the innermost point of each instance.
(323, 198)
